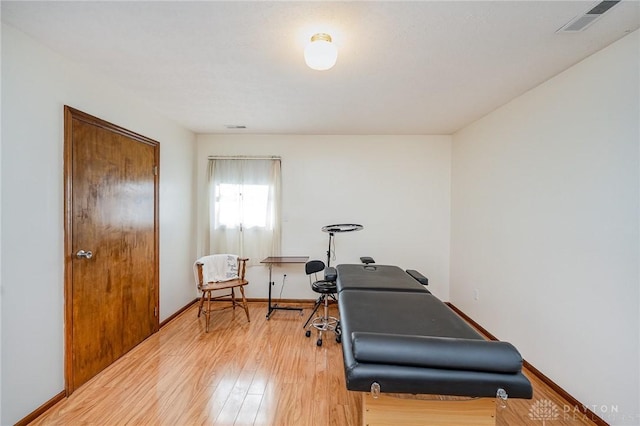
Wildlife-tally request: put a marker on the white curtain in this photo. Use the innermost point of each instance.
(244, 207)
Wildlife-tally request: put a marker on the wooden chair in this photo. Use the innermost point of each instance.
(209, 287)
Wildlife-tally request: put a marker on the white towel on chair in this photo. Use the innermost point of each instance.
(219, 267)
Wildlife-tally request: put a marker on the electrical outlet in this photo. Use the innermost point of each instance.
(476, 294)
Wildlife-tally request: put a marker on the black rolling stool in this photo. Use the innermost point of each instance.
(327, 289)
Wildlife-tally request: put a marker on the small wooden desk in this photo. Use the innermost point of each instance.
(271, 260)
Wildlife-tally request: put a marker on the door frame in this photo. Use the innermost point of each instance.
(69, 115)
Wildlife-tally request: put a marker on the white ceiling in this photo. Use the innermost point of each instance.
(418, 67)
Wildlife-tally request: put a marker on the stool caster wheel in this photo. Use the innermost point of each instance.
(338, 338)
(308, 333)
(319, 342)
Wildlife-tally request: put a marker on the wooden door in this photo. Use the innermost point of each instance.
(111, 210)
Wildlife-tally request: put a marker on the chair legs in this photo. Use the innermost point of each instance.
(324, 323)
(201, 303)
(244, 303)
(206, 295)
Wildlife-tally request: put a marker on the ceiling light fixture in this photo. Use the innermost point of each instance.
(320, 54)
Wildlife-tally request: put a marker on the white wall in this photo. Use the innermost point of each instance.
(36, 83)
(545, 210)
(398, 187)
(0, 261)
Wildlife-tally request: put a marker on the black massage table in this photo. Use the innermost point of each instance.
(400, 338)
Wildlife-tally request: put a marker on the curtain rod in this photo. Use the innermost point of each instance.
(243, 157)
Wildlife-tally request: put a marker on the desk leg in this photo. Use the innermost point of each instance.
(272, 308)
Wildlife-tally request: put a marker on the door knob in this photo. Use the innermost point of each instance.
(81, 254)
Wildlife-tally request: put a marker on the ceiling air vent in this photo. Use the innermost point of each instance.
(581, 22)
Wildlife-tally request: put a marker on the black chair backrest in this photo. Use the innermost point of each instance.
(313, 266)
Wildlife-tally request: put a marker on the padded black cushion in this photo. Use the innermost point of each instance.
(330, 274)
(436, 352)
(414, 314)
(435, 381)
(324, 287)
(313, 266)
(376, 277)
(406, 313)
(418, 276)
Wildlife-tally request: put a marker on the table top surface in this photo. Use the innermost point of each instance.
(285, 259)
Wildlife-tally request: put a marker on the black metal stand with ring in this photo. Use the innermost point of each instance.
(339, 227)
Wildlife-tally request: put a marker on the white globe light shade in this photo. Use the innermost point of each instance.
(320, 54)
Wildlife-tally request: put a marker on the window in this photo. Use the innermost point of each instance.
(244, 207)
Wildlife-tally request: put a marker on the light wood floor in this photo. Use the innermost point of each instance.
(240, 373)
